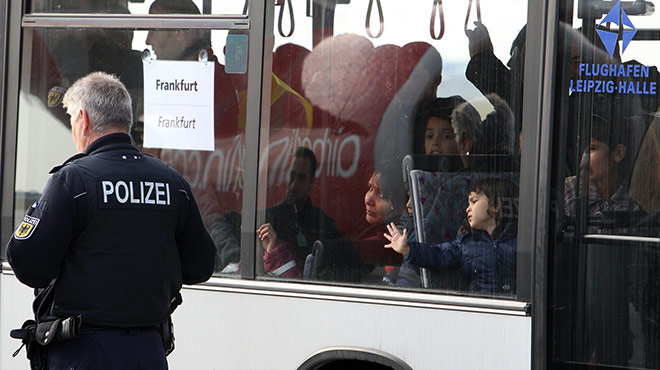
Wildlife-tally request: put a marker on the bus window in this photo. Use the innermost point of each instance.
(348, 104)
(605, 304)
(56, 57)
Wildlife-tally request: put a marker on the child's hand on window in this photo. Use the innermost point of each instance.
(398, 241)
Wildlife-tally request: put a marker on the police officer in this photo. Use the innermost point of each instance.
(115, 233)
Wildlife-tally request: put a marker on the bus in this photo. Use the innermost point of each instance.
(405, 106)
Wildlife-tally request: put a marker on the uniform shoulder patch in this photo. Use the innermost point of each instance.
(55, 96)
(26, 228)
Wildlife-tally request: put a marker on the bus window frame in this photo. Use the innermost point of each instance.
(10, 122)
(532, 227)
(537, 107)
(155, 21)
(23, 24)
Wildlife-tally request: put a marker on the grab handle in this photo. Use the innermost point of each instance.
(367, 23)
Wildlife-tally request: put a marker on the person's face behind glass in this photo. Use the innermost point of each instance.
(603, 161)
(168, 45)
(439, 137)
(480, 212)
(301, 180)
(378, 209)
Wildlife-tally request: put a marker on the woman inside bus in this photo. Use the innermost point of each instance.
(610, 157)
(385, 202)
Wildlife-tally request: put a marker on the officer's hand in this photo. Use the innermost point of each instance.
(479, 39)
(268, 236)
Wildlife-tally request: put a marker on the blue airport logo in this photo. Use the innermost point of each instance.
(618, 17)
(613, 77)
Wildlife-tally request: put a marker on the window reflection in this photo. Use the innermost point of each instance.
(359, 105)
(374, 100)
(57, 57)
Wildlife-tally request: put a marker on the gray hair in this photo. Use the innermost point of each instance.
(104, 98)
(499, 126)
(465, 121)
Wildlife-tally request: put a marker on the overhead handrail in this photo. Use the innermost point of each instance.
(467, 17)
(282, 4)
(437, 8)
(367, 23)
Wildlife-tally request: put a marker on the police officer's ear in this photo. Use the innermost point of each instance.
(84, 122)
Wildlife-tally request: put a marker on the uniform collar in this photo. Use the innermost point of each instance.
(102, 144)
(110, 142)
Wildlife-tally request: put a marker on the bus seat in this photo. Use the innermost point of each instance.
(333, 260)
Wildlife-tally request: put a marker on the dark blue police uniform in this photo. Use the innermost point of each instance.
(118, 232)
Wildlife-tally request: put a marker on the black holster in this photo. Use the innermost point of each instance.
(167, 327)
(167, 333)
(36, 353)
(37, 336)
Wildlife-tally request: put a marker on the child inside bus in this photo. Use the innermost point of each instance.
(434, 134)
(485, 249)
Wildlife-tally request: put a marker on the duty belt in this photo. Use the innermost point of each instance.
(46, 332)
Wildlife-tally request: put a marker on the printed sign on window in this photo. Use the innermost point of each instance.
(178, 105)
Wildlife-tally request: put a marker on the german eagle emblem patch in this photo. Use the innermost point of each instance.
(55, 96)
(26, 228)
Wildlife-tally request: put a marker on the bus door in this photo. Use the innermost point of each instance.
(605, 252)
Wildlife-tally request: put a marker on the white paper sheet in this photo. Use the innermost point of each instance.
(178, 105)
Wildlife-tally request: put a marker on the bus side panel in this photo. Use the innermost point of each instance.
(15, 308)
(281, 332)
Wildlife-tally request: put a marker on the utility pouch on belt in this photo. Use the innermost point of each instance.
(58, 329)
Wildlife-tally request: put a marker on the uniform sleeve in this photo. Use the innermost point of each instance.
(196, 248)
(42, 238)
(443, 255)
